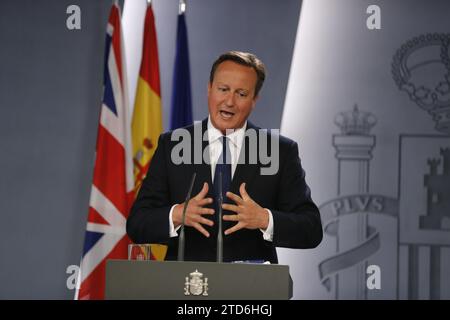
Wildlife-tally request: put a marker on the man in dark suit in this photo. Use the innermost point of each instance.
(268, 203)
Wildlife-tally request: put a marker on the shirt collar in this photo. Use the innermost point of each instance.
(235, 137)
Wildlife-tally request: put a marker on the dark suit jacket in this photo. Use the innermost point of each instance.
(296, 218)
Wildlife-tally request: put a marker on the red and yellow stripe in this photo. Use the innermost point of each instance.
(147, 118)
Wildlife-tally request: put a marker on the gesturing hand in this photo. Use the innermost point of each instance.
(195, 211)
(249, 214)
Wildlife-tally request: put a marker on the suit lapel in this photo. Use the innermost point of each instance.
(245, 171)
(204, 169)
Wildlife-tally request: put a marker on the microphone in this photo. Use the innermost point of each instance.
(219, 227)
(181, 237)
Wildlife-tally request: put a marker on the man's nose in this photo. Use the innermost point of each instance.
(229, 99)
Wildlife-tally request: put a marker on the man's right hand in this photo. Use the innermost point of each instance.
(195, 211)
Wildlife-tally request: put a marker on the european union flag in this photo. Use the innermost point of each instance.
(181, 110)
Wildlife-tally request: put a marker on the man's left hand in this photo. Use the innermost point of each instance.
(249, 214)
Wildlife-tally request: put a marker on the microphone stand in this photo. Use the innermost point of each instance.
(181, 237)
(219, 227)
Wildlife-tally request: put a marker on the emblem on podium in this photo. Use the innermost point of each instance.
(195, 284)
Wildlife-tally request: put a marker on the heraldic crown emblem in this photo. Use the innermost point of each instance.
(355, 122)
(426, 57)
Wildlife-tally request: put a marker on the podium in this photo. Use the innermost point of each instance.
(174, 280)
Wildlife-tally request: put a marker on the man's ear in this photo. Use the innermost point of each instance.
(209, 87)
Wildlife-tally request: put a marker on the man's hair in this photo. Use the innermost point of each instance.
(245, 59)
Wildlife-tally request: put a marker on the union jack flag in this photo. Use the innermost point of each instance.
(112, 186)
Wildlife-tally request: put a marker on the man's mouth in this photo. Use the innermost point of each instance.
(226, 114)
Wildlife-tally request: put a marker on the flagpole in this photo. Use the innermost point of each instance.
(182, 7)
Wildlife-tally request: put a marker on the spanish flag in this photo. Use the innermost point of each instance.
(147, 119)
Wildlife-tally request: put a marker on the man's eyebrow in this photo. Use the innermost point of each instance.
(222, 84)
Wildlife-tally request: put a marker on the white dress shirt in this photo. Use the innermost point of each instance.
(235, 140)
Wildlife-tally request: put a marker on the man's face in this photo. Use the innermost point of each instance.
(231, 95)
